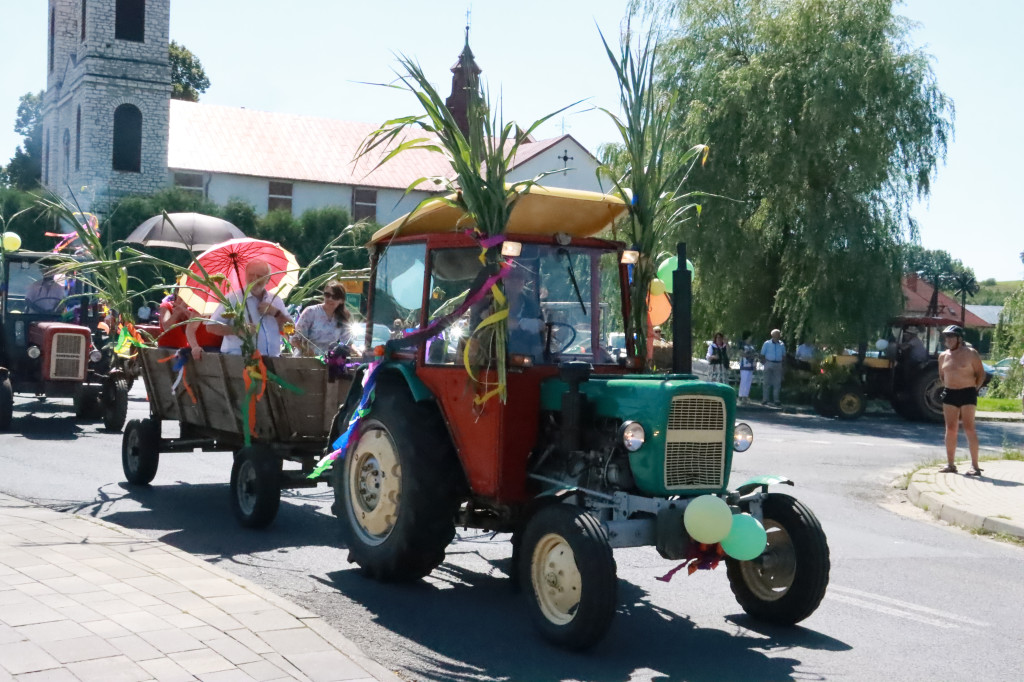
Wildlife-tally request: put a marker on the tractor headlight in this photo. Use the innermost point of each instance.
(632, 436)
(742, 437)
(34, 352)
(95, 355)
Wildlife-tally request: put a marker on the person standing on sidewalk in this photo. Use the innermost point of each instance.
(962, 374)
(773, 353)
(748, 359)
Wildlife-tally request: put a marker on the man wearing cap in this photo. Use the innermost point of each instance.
(962, 374)
(773, 353)
(911, 347)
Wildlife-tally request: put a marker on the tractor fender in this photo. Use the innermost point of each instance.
(417, 388)
(762, 482)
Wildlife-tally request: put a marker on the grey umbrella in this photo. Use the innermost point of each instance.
(190, 231)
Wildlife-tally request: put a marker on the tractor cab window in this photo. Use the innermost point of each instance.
(452, 274)
(32, 289)
(398, 287)
(555, 307)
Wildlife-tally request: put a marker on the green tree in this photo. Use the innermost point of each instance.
(25, 167)
(825, 125)
(188, 78)
(924, 261)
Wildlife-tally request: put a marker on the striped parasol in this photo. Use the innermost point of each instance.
(230, 259)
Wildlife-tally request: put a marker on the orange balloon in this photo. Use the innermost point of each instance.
(659, 308)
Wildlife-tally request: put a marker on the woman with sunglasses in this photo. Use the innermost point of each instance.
(323, 325)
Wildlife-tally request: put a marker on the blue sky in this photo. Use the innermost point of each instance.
(311, 56)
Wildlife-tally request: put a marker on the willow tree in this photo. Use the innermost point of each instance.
(825, 124)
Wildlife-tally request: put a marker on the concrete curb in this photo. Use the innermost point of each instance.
(985, 503)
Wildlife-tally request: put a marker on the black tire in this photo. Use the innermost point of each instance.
(397, 528)
(904, 407)
(786, 583)
(6, 404)
(87, 403)
(926, 395)
(256, 486)
(568, 571)
(115, 403)
(140, 451)
(849, 402)
(825, 404)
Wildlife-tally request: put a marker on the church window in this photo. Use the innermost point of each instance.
(190, 182)
(78, 138)
(53, 30)
(364, 204)
(130, 20)
(279, 198)
(83, 21)
(127, 138)
(67, 154)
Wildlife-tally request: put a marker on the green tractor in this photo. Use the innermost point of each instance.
(585, 455)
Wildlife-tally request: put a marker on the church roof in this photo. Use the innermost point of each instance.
(207, 138)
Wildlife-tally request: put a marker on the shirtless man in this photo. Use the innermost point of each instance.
(962, 374)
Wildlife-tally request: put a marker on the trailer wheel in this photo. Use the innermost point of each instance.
(568, 570)
(6, 404)
(787, 582)
(397, 489)
(256, 486)
(140, 451)
(115, 403)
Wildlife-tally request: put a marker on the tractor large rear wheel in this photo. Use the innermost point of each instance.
(6, 404)
(787, 582)
(396, 490)
(927, 395)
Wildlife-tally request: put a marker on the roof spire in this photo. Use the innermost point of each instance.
(465, 79)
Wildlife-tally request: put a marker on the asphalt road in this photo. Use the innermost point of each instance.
(909, 598)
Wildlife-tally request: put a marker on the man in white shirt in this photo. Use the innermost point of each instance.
(773, 353)
(265, 315)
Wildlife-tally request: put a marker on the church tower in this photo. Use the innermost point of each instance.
(107, 100)
(465, 79)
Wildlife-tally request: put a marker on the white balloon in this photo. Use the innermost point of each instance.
(881, 344)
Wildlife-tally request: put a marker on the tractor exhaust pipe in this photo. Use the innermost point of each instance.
(682, 327)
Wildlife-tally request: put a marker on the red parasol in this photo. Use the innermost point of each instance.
(230, 259)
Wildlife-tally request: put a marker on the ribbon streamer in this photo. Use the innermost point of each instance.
(340, 445)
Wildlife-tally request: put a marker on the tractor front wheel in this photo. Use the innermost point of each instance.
(787, 582)
(397, 488)
(115, 402)
(849, 402)
(568, 570)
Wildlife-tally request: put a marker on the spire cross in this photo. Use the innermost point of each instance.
(565, 159)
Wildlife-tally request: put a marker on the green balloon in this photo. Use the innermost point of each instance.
(747, 538)
(667, 267)
(707, 519)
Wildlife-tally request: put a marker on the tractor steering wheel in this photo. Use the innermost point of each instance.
(564, 329)
(35, 307)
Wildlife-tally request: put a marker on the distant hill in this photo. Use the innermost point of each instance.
(994, 293)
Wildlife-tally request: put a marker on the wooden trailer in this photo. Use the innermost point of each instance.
(292, 425)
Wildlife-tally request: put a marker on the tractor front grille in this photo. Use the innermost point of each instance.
(68, 357)
(695, 443)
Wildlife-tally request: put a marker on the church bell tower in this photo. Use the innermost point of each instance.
(107, 99)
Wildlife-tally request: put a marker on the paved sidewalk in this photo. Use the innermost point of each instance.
(993, 501)
(84, 600)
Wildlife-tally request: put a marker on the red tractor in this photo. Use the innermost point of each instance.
(587, 454)
(49, 343)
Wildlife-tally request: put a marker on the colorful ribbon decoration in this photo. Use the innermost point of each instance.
(340, 445)
(180, 359)
(255, 376)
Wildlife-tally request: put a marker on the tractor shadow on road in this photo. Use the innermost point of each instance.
(199, 519)
(459, 615)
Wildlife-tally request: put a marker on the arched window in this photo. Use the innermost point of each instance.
(83, 20)
(130, 20)
(67, 154)
(78, 137)
(128, 138)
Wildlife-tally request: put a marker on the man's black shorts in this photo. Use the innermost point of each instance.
(958, 397)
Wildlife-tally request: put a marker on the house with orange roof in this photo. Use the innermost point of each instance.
(918, 294)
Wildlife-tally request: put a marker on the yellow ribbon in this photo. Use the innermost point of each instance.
(493, 318)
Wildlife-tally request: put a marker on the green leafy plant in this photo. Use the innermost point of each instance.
(480, 159)
(653, 174)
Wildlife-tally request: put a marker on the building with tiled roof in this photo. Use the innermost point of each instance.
(917, 296)
(111, 128)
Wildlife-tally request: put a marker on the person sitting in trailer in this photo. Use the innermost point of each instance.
(265, 314)
(324, 325)
(182, 328)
